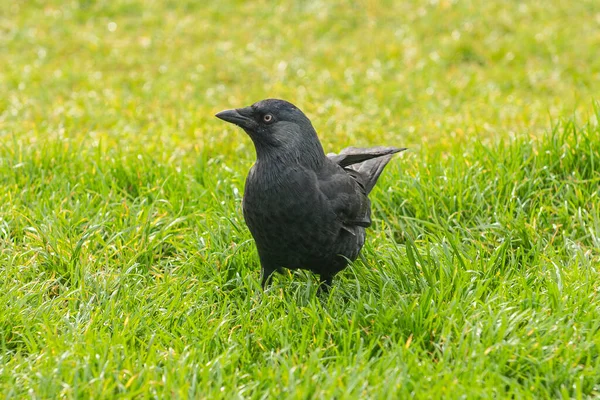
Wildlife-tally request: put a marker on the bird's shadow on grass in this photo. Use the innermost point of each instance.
(359, 282)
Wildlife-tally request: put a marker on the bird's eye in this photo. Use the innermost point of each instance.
(268, 118)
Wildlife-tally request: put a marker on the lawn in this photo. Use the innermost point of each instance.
(126, 269)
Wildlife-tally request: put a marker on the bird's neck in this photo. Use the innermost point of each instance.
(311, 157)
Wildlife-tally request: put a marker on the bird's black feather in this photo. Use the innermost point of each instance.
(304, 209)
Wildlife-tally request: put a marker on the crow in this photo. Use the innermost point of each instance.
(305, 209)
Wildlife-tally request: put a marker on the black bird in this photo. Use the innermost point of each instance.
(304, 209)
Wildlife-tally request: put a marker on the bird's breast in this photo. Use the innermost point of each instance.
(284, 196)
(287, 210)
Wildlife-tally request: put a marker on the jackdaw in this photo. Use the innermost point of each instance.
(305, 209)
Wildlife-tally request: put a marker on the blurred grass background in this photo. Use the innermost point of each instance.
(437, 73)
(125, 266)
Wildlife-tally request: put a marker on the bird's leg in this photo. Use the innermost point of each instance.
(266, 273)
(326, 281)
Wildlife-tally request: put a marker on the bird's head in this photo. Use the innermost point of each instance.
(276, 127)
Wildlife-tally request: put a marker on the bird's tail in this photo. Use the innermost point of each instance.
(369, 163)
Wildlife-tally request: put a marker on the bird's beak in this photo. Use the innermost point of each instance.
(241, 117)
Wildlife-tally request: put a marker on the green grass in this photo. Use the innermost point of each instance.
(126, 269)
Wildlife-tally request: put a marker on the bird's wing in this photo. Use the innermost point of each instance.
(355, 155)
(347, 197)
(369, 163)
